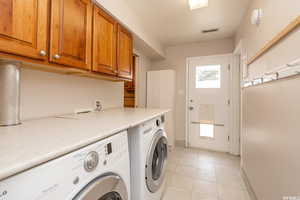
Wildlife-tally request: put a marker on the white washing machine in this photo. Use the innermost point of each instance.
(100, 171)
(148, 147)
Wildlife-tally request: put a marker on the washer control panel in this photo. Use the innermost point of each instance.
(91, 161)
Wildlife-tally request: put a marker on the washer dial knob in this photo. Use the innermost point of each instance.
(91, 161)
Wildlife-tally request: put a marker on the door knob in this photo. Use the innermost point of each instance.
(43, 53)
(191, 108)
(56, 56)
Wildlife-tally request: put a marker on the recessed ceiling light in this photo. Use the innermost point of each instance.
(195, 4)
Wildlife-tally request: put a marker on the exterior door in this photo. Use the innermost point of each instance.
(23, 27)
(125, 51)
(71, 32)
(208, 93)
(104, 43)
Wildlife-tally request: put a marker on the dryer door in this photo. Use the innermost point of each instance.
(109, 187)
(156, 162)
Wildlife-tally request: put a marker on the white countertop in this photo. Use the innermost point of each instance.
(37, 141)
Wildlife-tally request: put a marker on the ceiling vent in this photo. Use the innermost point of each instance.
(210, 30)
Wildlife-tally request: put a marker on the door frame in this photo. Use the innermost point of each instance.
(240, 58)
(234, 142)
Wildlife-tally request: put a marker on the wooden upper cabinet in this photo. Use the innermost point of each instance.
(104, 42)
(125, 53)
(23, 27)
(71, 33)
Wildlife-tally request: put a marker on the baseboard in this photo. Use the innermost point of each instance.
(180, 143)
(248, 185)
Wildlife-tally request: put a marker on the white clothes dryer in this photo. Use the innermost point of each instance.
(148, 147)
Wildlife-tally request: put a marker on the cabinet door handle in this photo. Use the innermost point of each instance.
(56, 56)
(43, 53)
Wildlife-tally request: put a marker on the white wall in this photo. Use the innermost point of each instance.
(270, 111)
(46, 94)
(276, 15)
(176, 59)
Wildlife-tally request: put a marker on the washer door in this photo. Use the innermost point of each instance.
(156, 162)
(109, 187)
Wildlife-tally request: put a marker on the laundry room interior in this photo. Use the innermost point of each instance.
(149, 100)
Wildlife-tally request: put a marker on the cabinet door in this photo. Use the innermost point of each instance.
(125, 52)
(104, 42)
(71, 24)
(23, 27)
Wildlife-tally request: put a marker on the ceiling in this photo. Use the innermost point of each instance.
(173, 23)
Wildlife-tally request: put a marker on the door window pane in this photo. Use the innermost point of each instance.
(207, 130)
(208, 76)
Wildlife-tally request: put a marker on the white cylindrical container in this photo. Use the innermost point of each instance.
(9, 93)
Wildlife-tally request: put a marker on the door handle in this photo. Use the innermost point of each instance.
(191, 108)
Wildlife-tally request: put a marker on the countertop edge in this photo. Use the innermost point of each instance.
(12, 171)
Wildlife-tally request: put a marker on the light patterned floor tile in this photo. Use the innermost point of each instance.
(203, 175)
(199, 196)
(181, 181)
(188, 171)
(173, 193)
(205, 188)
(171, 167)
(228, 193)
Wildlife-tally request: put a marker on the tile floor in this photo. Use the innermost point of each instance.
(203, 175)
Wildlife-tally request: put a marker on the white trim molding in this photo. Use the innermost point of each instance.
(235, 87)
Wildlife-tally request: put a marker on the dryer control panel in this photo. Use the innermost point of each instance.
(153, 124)
(63, 177)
